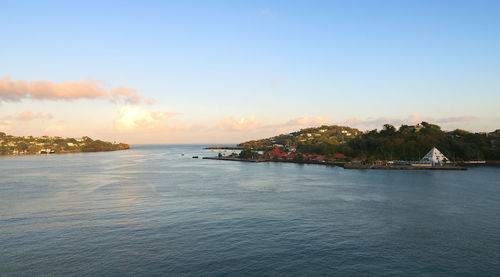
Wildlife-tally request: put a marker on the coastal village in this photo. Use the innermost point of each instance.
(24, 145)
(389, 148)
(434, 159)
(408, 147)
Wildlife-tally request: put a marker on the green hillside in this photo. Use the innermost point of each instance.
(328, 136)
(389, 143)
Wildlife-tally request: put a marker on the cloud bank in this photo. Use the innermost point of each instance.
(412, 119)
(244, 124)
(239, 125)
(15, 91)
(28, 115)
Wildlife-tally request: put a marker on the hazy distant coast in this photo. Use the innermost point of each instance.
(29, 145)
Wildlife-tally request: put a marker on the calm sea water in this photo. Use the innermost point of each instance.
(150, 211)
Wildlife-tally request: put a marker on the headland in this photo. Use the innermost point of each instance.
(28, 145)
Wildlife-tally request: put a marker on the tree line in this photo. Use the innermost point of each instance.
(409, 143)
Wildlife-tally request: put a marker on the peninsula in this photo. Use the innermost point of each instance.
(390, 148)
(17, 145)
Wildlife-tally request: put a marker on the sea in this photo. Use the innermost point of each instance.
(154, 210)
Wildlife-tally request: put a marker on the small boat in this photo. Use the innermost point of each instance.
(195, 157)
(182, 155)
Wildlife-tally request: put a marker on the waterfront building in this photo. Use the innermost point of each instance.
(434, 157)
(339, 156)
(277, 153)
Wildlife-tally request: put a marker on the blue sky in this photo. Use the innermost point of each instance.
(236, 70)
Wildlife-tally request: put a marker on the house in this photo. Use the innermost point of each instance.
(339, 156)
(379, 162)
(345, 132)
(308, 156)
(356, 161)
(320, 157)
(277, 153)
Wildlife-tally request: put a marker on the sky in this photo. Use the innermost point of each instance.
(229, 71)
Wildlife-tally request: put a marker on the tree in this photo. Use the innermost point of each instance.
(22, 146)
(388, 129)
(248, 154)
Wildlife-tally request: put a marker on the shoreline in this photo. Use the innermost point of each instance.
(341, 164)
(273, 161)
(224, 148)
(66, 152)
(403, 167)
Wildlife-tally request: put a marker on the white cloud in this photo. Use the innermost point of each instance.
(15, 91)
(28, 115)
(244, 124)
(135, 119)
(239, 125)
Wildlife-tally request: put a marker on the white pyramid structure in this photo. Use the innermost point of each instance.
(435, 157)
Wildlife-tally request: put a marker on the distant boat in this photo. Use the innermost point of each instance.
(182, 154)
(195, 157)
(475, 162)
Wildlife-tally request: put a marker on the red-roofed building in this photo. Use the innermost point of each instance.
(339, 156)
(308, 156)
(320, 157)
(356, 161)
(276, 152)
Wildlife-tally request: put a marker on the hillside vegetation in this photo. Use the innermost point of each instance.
(390, 143)
(15, 145)
(326, 137)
